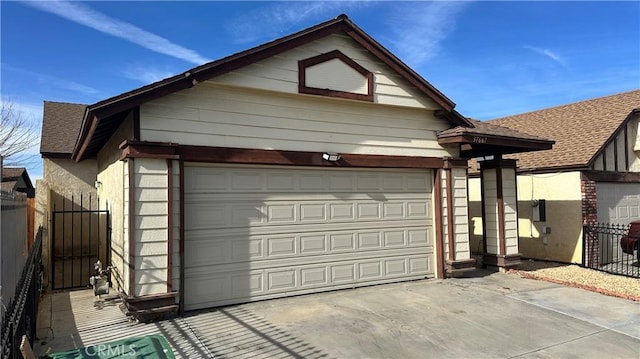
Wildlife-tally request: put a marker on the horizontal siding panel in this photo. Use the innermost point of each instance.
(153, 288)
(290, 145)
(151, 249)
(151, 262)
(151, 222)
(227, 117)
(262, 127)
(151, 180)
(280, 72)
(151, 194)
(152, 235)
(238, 100)
(151, 208)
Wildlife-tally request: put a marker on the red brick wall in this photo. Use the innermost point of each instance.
(591, 247)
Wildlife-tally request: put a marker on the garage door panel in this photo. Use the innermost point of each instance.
(285, 262)
(254, 284)
(265, 232)
(207, 250)
(200, 179)
(217, 214)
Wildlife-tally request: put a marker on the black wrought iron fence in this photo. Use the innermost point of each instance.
(20, 315)
(606, 248)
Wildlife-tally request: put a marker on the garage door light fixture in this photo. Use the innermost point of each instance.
(331, 156)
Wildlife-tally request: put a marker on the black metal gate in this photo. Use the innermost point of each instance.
(80, 233)
(602, 250)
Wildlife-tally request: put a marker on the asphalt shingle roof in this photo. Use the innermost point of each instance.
(580, 129)
(60, 127)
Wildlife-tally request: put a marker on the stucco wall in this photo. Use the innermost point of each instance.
(563, 215)
(111, 191)
(63, 180)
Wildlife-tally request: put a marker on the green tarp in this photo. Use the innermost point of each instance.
(148, 347)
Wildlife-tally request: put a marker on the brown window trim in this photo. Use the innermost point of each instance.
(335, 54)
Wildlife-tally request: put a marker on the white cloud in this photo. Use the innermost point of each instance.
(548, 53)
(53, 80)
(419, 29)
(86, 16)
(146, 74)
(278, 19)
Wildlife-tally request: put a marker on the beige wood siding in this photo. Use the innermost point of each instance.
(254, 233)
(336, 75)
(280, 73)
(460, 220)
(509, 195)
(151, 225)
(210, 115)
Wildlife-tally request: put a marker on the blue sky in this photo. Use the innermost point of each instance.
(491, 58)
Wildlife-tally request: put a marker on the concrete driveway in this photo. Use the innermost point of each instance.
(486, 315)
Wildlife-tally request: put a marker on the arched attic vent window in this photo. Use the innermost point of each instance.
(336, 75)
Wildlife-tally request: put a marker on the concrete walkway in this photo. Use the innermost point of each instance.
(485, 315)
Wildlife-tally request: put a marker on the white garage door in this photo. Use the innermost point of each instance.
(618, 203)
(266, 232)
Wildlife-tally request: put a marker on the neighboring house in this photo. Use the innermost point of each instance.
(592, 174)
(17, 180)
(315, 162)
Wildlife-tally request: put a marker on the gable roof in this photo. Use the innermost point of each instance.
(580, 129)
(10, 178)
(102, 118)
(60, 127)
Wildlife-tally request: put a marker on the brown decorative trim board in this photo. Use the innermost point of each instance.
(458, 266)
(601, 176)
(300, 158)
(504, 261)
(150, 307)
(143, 149)
(501, 163)
(188, 153)
(455, 163)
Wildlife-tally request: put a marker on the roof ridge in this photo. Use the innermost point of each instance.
(65, 103)
(581, 102)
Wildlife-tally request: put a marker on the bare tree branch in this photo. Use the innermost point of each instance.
(17, 135)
